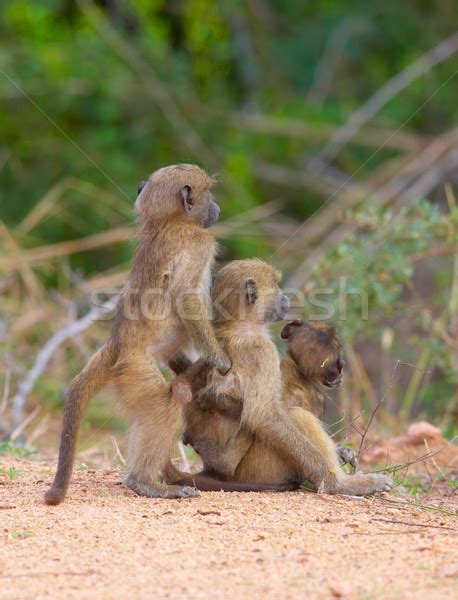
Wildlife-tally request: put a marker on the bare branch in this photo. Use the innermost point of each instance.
(370, 108)
(45, 354)
(332, 56)
(29, 418)
(184, 458)
(118, 454)
(6, 391)
(439, 156)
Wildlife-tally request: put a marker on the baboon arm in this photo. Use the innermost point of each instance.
(189, 288)
(321, 466)
(195, 320)
(275, 426)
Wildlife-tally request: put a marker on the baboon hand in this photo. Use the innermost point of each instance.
(348, 455)
(383, 483)
(222, 363)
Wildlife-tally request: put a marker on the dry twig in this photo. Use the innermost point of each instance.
(378, 405)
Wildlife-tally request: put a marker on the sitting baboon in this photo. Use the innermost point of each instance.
(313, 363)
(270, 442)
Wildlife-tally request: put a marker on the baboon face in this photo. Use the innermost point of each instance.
(178, 190)
(316, 348)
(248, 290)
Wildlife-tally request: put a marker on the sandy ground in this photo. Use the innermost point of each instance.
(105, 542)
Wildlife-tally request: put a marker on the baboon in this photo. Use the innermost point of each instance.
(313, 363)
(271, 442)
(161, 313)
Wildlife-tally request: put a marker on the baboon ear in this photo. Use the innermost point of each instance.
(187, 199)
(288, 330)
(140, 187)
(251, 291)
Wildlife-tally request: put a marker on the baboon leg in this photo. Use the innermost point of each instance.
(321, 466)
(333, 478)
(149, 451)
(224, 461)
(155, 421)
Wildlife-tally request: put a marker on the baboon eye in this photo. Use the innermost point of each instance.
(340, 364)
(140, 187)
(251, 291)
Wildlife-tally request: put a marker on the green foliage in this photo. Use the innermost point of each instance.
(213, 58)
(10, 473)
(21, 534)
(419, 483)
(95, 95)
(18, 451)
(368, 281)
(376, 262)
(413, 485)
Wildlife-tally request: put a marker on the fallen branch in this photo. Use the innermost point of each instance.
(410, 524)
(418, 505)
(116, 235)
(45, 354)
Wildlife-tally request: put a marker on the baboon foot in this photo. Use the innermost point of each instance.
(363, 485)
(160, 490)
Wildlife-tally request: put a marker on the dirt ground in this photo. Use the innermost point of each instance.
(105, 542)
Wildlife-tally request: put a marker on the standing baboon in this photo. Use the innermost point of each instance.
(161, 311)
(271, 442)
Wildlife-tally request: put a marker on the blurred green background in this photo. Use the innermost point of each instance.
(332, 127)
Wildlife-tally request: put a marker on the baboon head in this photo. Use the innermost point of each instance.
(181, 191)
(316, 348)
(248, 290)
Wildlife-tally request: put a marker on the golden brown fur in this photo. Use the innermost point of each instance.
(313, 363)
(271, 442)
(162, 310)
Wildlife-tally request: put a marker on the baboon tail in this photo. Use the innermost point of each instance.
(92, 378)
